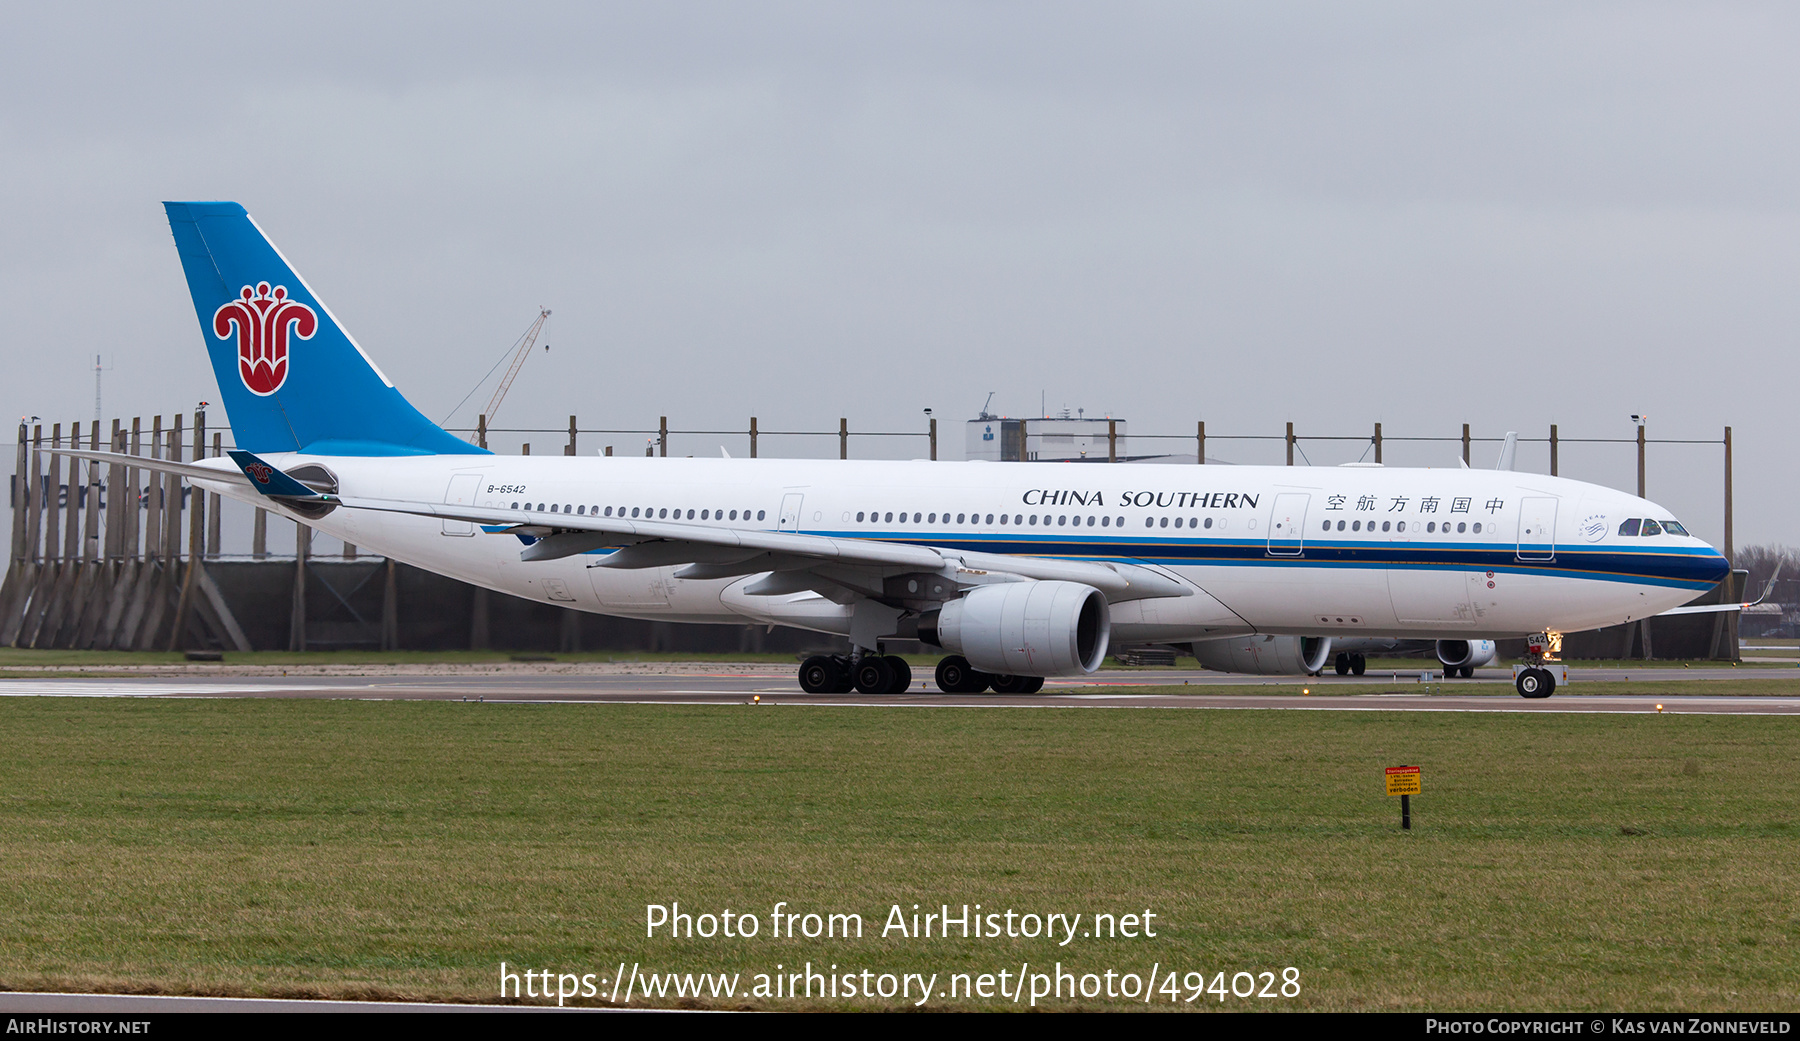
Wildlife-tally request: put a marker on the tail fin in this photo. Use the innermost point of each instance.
(290, 377)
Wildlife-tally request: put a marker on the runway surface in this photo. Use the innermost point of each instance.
(770, 685)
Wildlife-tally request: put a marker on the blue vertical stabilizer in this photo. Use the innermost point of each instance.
(291, 379)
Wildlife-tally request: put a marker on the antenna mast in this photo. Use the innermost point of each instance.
(97, 371)
(526, 342)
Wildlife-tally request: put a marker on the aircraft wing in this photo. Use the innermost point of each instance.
(706, 551)
(1714, 608)
(709, 551)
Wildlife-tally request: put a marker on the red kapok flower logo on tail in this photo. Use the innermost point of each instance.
(264, 318)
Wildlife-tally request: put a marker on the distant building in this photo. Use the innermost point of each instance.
(1063, 438)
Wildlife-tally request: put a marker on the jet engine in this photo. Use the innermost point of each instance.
(1265, 655)
(1025, 628)
(1465, 653)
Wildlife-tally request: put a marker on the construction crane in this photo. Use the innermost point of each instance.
(526, 342)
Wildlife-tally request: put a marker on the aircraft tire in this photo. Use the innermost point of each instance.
(953, 674)
(819, 675)
(1358, 665)
(873, 675)
(902, 674)
(1017, 684)
(1468, 672)
(1342, 664)
(1535, 683)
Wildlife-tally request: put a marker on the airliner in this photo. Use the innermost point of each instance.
(1017, 571)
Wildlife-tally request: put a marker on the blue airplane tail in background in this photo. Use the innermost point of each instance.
(291, 379)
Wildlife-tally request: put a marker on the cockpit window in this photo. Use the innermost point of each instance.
(1672, 528)
(1630, 527)
(1651, 527)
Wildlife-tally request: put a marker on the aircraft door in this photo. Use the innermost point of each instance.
(461, 492)
(1537, 528)
(1287, 524)
(790, 512)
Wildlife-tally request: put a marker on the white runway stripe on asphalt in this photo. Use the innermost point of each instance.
(132, 689)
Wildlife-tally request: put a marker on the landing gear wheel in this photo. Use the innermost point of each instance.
(1358, 664)
(956, 676)
(1535, 683)
(902, 674)
(1017, 684)
(1468, 672)
(819, 675)
(873, 676)
(1342, 664)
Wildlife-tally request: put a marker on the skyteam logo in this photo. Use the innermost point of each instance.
(264, 319)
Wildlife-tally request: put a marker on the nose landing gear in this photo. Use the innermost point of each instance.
(1535, 681)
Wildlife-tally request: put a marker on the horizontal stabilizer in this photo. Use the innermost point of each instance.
(194, 471)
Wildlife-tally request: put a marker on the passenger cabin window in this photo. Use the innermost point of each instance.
(1651, 528)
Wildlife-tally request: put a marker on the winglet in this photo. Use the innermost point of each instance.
(272, 482)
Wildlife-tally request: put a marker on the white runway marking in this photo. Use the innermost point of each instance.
(140, 689)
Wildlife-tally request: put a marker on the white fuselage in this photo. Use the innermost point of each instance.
(1448, 553)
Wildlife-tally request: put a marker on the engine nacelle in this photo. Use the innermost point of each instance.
(1025, 628)
(1265, 655)
(1458, 653)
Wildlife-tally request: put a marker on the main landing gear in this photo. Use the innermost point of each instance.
(889, 674)
(956, 676)
(866, 674)
(1350, 664)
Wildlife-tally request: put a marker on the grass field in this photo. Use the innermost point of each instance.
(355, 848)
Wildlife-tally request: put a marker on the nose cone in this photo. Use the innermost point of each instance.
(1714, 564)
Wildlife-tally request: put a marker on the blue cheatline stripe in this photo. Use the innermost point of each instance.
(1673, 567)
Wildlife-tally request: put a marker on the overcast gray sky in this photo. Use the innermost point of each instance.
(1420, 214)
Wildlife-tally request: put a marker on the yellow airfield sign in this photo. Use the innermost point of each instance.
(1403, 780)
